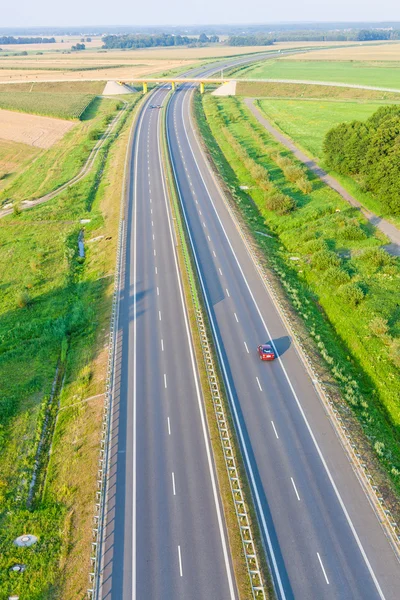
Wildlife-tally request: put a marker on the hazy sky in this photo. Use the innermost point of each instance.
(162, 12)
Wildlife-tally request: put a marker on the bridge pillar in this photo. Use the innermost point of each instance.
(173, 86)
(144, 87)
(201, 87)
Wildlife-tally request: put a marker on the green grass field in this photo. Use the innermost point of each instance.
(307, 121)
(340, 282)
(62, 106)
(55, 309)
(385, 75)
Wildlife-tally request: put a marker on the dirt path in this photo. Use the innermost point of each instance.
(26, 204)
(391, 231)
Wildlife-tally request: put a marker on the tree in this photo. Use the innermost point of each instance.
(203, 39)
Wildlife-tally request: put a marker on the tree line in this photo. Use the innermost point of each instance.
(140, 40)
(250, 40)
(370, 152)
(9, 39)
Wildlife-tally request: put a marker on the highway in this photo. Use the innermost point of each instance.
(322, 537)
(165, 535)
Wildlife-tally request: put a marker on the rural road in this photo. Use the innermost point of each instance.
(390, 230)
(323, 538)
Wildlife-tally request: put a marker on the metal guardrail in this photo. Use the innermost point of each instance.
(244, 523)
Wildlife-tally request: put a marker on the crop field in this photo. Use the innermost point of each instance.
(258, 89)
(62, 106)
(342, 285)
(41, 132)
(385, 75)
(14, 157)
(54, 311)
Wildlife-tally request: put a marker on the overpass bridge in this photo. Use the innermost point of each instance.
(174, 81)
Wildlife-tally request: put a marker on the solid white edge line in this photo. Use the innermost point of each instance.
(348, 518)
(323, 568)
(229, 390)
(198, 392)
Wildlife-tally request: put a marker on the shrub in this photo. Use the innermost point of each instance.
(375, 258)
(282, 161)
(352, 231)
(324, 259)
(279, 202)
(293, 173)
(394, 352)
(95, 134)
(379, 326)
(351, 293)
(24, 300)
(304, 185)
(314, 245)
(336, 276)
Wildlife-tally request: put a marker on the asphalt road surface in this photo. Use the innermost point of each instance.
(323, 539)
(165, 535)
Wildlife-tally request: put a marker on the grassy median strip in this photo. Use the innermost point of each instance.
(54, 312)
(327, 263)
(194, 304)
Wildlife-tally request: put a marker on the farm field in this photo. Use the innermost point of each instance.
(118, 64)
(385, 75)
(342, 285)
(41, 132)
(14, 157)
(63, 106)
(54, 311)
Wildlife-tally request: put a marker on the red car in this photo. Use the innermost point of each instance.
(266, 352)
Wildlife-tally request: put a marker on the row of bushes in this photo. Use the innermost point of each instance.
(370, 151)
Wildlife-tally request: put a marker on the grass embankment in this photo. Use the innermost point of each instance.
(308, 90)
(64, 160)
(193, 300)
(62, 106)
(354, 72)
(341, 284)
(54, 310)
(307, 123)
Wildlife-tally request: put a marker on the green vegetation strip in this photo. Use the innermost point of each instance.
(247, 581)
(54, 308)
(328, 260)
